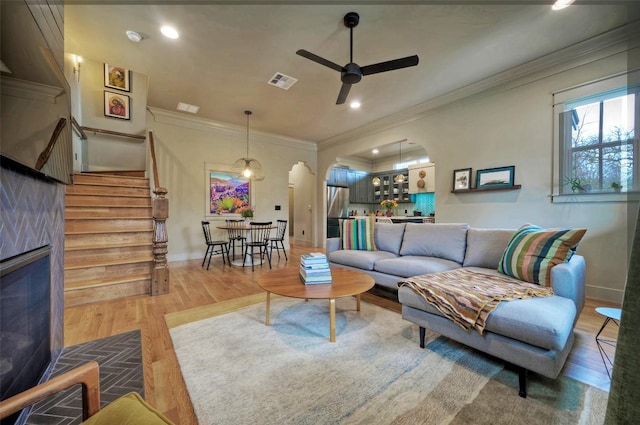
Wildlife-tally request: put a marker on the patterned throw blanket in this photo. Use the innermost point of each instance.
(467, 297)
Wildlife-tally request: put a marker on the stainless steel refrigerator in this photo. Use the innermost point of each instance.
(337, 208)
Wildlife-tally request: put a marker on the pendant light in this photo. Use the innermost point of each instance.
(399, 178)
(249, 167)
(376, 179)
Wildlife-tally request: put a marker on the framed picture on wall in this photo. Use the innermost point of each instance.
(462, 179)
(116, 77)
(228, 193)
(495, 177)
(117, 105)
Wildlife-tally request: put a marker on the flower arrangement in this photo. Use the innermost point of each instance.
(246, 212)
(389, 204)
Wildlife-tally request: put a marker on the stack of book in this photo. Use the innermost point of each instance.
(314, 268)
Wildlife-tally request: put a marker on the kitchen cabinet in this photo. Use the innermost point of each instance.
(338, 177)
(360, 187)
(389, 189)
(427, 181)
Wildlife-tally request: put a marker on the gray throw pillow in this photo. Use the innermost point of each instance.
(388, 237)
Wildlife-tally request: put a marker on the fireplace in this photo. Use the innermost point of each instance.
(25, 322)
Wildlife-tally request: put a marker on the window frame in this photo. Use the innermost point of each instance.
(591, 92)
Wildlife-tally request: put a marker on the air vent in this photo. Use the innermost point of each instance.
(188, 108)
(282, 81)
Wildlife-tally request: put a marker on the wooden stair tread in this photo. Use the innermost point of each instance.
(96, 283)
(110, 263)
(109, 231)
(107, 246)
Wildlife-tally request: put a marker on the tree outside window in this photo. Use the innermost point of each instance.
(599, 143)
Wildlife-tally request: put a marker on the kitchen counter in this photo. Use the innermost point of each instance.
(403, 219)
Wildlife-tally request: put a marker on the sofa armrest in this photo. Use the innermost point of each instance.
(333, 244)
(568, 280)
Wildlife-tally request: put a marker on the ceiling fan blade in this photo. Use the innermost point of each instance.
(318, 59)
(390, 65)
(344, 92)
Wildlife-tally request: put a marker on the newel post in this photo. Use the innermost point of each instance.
(160, 272)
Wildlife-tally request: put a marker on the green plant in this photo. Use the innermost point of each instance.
(575, 183)
(616, 186)
(246, 212)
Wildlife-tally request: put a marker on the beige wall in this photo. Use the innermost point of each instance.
(514, 126)
(303, 183)
(102, 152)
(185, 144)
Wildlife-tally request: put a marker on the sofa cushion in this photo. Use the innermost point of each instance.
(411, 265)
(388, 236)
(485, 247)
(446, 241)
(545, 322)
(358, 234)
(532, 251)
(359, 259)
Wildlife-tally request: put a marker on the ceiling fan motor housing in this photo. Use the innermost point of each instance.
(351, 73)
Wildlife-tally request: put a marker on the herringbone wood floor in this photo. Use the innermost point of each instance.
(193, 286)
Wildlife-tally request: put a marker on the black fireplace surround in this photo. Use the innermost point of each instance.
(25, 328)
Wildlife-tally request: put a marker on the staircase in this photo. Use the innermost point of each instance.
(108, 238)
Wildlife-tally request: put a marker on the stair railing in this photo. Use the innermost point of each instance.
(160, 213)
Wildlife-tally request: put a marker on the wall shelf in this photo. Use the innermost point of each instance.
(488, 189)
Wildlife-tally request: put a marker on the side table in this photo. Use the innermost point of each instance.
(611, 315)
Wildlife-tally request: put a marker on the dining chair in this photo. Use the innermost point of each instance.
(237, 233)
(258, 238)
(213, 247)
(279, 239)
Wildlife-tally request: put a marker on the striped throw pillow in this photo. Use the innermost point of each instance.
(532, 251)
(357, 234)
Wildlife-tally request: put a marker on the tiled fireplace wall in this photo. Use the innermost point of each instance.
(32, 215)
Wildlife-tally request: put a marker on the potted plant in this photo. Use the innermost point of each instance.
(389, 204)
(246, 212)
(576, 184)
(616, 186)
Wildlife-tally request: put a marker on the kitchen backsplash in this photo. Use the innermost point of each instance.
(424, 202)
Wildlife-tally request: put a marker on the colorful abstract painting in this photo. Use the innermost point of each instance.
(228, 193)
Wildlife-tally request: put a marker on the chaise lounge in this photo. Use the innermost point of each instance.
(534, 334)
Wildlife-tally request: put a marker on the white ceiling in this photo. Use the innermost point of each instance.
(226, 54)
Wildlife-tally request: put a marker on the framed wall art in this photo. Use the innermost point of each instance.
(462, 179)
(228, 193)
(116, 77)
(117, 105)
(495, 177)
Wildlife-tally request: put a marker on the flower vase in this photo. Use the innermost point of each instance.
(389, 213)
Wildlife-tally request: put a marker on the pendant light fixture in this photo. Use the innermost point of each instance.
(399, 178)
(376, 179)
(249, 168)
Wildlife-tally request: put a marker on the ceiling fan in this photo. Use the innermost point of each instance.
(351, 73)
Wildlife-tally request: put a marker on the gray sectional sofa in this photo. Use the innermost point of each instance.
(534, 334)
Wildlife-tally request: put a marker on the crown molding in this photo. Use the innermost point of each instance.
(230, 130)
(612, 42)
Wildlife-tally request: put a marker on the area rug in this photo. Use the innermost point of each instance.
(239, 371)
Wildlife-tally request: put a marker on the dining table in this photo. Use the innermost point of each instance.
(243, 262)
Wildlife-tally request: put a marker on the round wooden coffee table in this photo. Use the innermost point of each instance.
(287, 282)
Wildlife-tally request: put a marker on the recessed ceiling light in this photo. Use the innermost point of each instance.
(561, 4)
(169, 32)
(375, 151)
(355, 104)
(134, 36)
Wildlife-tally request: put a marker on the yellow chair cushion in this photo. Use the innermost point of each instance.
(129, 409)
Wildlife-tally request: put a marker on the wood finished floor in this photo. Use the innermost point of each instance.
(194, 294)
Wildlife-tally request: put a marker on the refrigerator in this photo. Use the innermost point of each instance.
(337, 209)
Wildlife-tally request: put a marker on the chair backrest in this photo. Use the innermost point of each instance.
(282, 228)
(235, 229)
(260, 231)
(206, 231)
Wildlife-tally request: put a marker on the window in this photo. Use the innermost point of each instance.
(598, 142)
